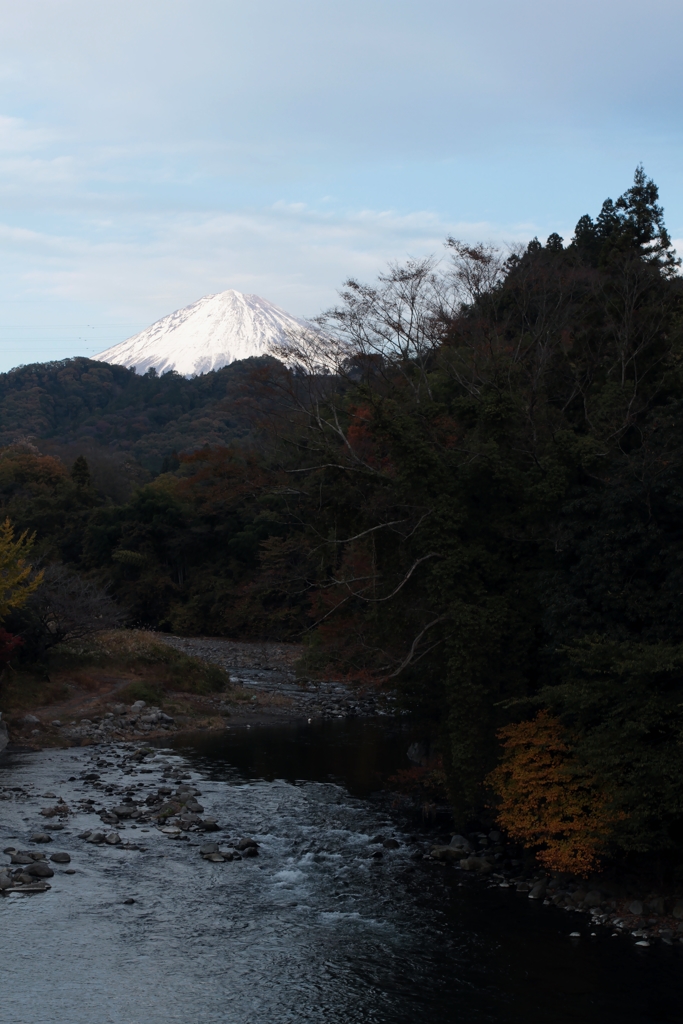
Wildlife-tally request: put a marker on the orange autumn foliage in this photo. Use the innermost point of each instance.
(546, 801)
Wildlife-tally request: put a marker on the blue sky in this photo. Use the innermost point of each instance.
(154, 151)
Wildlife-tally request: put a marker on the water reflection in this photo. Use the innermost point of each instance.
(357, 753)
(315, 929)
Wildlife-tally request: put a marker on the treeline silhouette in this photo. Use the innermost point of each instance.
(83, 402)
(468, 486)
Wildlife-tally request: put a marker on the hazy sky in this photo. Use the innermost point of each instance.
(154, 151)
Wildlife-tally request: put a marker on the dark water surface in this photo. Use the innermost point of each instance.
(313, 929)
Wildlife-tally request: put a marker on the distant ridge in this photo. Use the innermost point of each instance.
(211, 333)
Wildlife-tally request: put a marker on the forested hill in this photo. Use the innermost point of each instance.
(481, 507)
(149, 417)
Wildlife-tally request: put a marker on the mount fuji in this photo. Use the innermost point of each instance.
(209, 334)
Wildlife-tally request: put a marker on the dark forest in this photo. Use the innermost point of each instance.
(468, 486)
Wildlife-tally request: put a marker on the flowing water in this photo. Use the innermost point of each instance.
(313, 929)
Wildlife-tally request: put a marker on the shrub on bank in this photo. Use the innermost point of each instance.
(147, 669)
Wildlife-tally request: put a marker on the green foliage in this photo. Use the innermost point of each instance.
(479, 503)
(39, 496)
(624, 702)
(162, 668)
(17, 578)
(631, 227)
(494, 479)
(80, 472)
(79, 401)
(151, 693)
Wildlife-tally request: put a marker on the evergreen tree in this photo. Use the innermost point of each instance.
(631, 226)
(80, 472)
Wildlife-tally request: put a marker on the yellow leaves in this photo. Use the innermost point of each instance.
(17, 579)
(547, 800)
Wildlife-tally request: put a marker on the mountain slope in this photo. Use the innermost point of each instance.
(211, 333)
(87, 403)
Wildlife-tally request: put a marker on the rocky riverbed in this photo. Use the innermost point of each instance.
(167, 804)
(124, 793)
(263, 688)
(184, 888)
(270, 669)
(603, 904)
(136, 792)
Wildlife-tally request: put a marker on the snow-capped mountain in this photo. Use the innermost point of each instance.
(211, 333)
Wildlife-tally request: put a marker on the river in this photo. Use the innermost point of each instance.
(313, 929)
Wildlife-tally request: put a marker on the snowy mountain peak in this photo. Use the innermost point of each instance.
(212, 332)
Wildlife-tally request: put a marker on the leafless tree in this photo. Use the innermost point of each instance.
(68, 607)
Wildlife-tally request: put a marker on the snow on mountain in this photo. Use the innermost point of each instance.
(211, 333)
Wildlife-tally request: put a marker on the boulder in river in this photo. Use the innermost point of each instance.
(40, 869)
(60, 858)
(447, 853)
(538, 890)
(478, 864)
(41, 837)
(194, 806)
(461, 843)
(21, 857)
(127, 810)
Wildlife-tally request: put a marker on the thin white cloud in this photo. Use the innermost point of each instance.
(296, 257)
(152, 152)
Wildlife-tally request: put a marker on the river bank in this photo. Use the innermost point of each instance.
(117, 689)
(263, 692)
(114, 804)
(342, 914)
